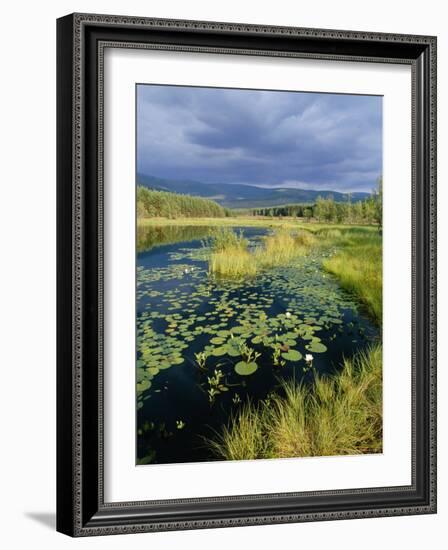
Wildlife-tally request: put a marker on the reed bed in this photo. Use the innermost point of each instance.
(230, 255)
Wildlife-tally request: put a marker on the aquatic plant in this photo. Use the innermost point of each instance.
(340, 414)
(276, 358)
(212, 392)
(248, 353)
(215, 385)
(292, 355)
(248, 365)
(289, 312)
(201, 358)
(236, 399)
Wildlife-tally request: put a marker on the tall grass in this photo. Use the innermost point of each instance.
(232, 263)
(358, 266)
(231, 257)
(338, 415)
(224, 238)
(278, 249)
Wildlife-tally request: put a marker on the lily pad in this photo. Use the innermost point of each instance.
(335, 321)
(218, 352)
(292, 355)
(317, 347)
(245, 369)
(233, 351)
(290, 343)
(143, 385)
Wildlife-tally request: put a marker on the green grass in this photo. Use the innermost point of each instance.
(357, 264)
(338, 415)
(244, 221)
(224, 222)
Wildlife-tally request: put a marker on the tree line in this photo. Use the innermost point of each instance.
(368, 211)
(163, 204)
(289, 210)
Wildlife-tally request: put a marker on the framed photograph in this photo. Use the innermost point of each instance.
(246, 274)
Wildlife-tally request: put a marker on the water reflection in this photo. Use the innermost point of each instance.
(151, 236)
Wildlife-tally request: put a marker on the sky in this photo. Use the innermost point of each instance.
(265, 138)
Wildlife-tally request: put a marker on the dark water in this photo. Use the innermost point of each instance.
(181, 312)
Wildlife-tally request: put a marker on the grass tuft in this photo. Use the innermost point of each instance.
(224, 238)
(278, 249)
(232, 263)
(231, 258)
(338, 415)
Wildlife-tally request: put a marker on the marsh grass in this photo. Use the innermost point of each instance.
(337, 415)
(224, 238)
(305, 238)
(357, 264)
(278, 249)
(230, 255)
(232, 263)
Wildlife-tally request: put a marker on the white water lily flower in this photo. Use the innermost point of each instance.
(288, 314)
(308, 357)
(186, 271)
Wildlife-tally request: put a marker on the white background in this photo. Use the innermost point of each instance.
(27, 301)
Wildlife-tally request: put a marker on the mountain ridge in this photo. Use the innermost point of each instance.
(238, 195)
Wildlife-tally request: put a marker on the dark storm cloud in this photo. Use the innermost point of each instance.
(215, 135)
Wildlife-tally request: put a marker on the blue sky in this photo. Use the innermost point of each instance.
(292, 139)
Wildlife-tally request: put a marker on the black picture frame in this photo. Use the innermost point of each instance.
(81, 39)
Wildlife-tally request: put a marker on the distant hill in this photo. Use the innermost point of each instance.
(244, 196)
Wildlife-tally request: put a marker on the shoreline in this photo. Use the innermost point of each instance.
(245, 222)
